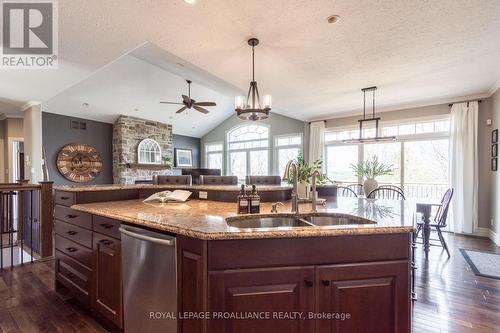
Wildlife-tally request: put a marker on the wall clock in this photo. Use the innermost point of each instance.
(79, 162)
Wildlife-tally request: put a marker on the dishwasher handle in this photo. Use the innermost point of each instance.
(161, 241)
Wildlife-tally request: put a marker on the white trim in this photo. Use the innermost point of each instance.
(482, 232)
(10, 154)
(494, 88)
(28, 105)
(402, 107)
(488, 233)
(495, 238)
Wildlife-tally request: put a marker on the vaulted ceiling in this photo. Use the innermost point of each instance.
(416, 52)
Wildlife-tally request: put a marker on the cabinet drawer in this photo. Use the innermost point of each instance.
(76, 251)
(72, 216)
(64, 198)
(77, 234)
(74, 276)
(106, 226)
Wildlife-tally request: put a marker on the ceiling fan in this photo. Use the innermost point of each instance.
(189, 103)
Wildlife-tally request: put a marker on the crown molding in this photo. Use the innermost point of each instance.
(29, 105)
(408, 106)
(494, 88)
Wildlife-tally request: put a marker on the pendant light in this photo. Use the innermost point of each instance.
(250, 108)
(377, 138)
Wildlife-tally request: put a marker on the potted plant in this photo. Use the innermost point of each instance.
(305, 175)
(167, 161)
(370, 169)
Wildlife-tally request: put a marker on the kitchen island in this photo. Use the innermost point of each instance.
(350, 276)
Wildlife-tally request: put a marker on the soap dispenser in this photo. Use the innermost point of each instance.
(254, 201)
(243, 199)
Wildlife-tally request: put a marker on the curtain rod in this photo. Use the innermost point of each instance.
(474, 100)
(317, 121)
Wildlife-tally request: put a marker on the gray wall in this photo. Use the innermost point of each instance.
(495, 176)
(57, 132)
(188, 142)
(484, 144)
(278, 125)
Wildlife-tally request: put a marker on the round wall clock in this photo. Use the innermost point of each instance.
(79, 162)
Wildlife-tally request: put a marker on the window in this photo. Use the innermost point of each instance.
(213, 155)
(420, 156)
(287, 147)
(248, 151)
(338, 162)
(149, 152)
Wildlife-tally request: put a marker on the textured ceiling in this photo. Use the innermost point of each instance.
(414, 51)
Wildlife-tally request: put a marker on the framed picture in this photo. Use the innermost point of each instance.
(494, 164)
(494, 136)
(494, 150)
(183, 158)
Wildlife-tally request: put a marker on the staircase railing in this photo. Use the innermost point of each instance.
(25, 222)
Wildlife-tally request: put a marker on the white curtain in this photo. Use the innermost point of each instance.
(464, 167)
(316, 140)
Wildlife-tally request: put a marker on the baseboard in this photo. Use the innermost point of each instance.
(488, 233)
(495, 237)
(482, 232)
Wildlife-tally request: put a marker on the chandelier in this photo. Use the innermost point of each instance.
(372, 119)
(250, 108)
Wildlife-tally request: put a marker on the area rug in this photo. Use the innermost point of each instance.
(483, 263)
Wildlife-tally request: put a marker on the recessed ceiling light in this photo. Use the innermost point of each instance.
(85, 105)
(333, 19)
(191, 2)
(136, 109)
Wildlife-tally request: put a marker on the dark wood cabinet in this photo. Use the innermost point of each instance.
(107, 300)
(276, 295)
(374, 295)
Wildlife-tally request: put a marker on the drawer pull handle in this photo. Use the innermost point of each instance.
(326, 283)
(71, 233)
(71, 249)
(105, 242)
(71, 216)
(308, 283)
(106, 225)
(70, 275)
(65, 198)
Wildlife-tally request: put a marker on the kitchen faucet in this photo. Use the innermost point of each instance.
(286, 177)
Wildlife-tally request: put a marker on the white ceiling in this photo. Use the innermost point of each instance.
(132, 86)
(415, 51)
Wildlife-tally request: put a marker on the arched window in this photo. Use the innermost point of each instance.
(149, 152)
(248, 150)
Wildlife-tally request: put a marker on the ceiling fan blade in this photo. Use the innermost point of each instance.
(186, 99)
(205, 103)
(171, 103)
(202, 110)
(182, 109)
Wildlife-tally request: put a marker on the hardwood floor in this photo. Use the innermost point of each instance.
(450, 297)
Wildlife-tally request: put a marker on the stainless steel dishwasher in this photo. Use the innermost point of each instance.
(149, 281)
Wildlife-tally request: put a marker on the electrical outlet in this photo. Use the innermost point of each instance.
(491, 222)
(203, 195)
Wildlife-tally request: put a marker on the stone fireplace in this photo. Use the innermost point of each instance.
(128, 132)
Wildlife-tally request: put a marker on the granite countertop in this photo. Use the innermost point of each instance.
(111, 187)
(206, 219)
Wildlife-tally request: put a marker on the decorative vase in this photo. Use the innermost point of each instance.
(303, 190)
(369, 185)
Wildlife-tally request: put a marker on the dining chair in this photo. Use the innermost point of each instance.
(394, 187)
(357, 188)
(386, 193)
(439, 219)
(345, 191)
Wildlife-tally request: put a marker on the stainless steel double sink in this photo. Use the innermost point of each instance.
(291, 220)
